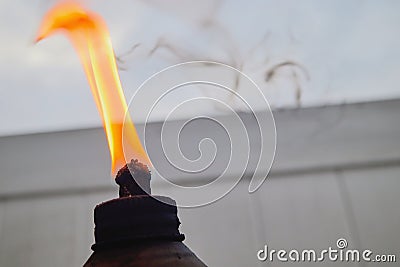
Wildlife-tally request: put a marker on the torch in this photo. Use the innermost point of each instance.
(136, 229)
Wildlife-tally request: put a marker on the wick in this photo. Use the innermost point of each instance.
(133, 179)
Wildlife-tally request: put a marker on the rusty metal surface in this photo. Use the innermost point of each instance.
(160, 254)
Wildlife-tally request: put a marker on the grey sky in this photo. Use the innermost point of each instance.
(350, 50)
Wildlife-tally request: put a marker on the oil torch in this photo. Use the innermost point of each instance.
(136, 229)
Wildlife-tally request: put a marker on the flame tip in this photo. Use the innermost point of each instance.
(38, 39)
(89, 35)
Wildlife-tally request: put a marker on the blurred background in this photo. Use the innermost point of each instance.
(328, 69)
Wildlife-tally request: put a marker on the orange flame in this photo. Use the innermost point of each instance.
(89, 35)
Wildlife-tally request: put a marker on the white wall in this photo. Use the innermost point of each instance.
(335, 175)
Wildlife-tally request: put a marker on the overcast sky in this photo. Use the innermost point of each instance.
(347, 51)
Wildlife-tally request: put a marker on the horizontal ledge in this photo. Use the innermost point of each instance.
(68, 192)
(308, 141)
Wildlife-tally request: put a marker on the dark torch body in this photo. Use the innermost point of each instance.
(138, 229)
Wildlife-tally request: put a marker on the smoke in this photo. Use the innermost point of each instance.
(208, 37)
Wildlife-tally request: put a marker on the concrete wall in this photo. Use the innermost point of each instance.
(336, 175)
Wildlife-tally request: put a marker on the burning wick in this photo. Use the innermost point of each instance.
(89, 35)
(128, 186)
